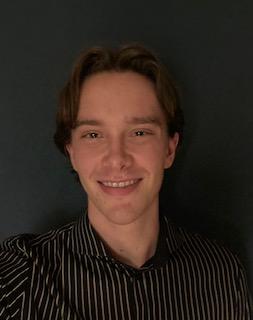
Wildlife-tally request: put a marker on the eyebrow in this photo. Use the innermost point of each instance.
(135, 120)
(87, 122)
(145, 120)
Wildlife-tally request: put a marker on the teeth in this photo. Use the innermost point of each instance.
(121, 184)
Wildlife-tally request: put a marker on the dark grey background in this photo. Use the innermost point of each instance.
(208, 47)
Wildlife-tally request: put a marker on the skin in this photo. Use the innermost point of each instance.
(120, 149)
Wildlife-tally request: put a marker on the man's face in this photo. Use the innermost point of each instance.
(120, 146)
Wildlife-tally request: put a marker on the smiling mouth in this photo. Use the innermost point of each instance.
(119, 184)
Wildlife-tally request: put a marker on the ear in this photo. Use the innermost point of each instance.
(70, 151)
(171, 150)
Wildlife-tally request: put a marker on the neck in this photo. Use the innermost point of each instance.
(133, 243)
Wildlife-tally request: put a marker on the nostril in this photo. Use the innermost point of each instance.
(117, 158)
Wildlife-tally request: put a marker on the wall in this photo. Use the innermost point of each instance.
(206, 44)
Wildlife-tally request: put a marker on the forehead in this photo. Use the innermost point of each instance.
(118, 95)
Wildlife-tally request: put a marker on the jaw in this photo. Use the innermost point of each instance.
(121, 215)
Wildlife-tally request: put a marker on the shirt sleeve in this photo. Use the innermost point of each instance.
(5, 285)
(244, 302)
(14, 273)
(4, 315)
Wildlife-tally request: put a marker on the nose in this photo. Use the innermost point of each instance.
(117, 155)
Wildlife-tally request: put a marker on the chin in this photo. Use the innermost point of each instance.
(121, 214)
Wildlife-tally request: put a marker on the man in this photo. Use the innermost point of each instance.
(119, 123)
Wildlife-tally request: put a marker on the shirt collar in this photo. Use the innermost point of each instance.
(169, 241)
(85, 240)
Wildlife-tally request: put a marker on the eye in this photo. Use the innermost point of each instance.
(91, 135)
(140, 133)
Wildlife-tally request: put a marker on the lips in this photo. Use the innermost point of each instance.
(119, 184)
(119, 188)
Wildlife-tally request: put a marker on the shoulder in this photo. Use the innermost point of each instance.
(206, 258)
(14, 251)
(56, 238)
(196, 247)
(14, 272)
(210, 266)
(18, 251)
(211, 253)
(18, 258)
(21, 246)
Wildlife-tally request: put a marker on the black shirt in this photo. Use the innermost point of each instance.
(68, 274)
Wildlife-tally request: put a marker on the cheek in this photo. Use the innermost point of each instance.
(83, 161)
(153, 158)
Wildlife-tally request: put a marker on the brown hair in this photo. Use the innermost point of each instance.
(127, 58)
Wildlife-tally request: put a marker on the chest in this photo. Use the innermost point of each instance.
(83, 287)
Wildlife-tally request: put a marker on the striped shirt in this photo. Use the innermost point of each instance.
(69, 274)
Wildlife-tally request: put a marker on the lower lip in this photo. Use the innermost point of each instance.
(119, 191)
